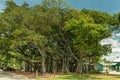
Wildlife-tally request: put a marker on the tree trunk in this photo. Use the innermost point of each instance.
(54, 67)
(63, 65)
(48, 65)
(43, 67)
(94, 66)
(86, 61)
(79, 66)
(65, 68)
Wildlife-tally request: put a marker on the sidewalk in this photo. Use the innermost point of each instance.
(114, 72)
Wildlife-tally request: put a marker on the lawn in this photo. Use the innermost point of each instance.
(83, 77)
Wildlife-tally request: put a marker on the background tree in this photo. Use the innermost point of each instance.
(52, 37)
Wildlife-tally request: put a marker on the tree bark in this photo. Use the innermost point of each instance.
(65, 68)
(43, 67)
(87, 62)
(79, 66)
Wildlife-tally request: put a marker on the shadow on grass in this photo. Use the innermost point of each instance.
(105, 77)
(116, 76)
(77, 77)
(95, 78)
(73, 76)
(88, 77)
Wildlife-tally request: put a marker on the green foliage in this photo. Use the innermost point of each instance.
(52, 32)
(99, 17)
(87, 34)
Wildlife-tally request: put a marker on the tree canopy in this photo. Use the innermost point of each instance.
(52, 36)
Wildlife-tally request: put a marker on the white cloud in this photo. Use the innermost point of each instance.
(118, 34)
(112, 56)
(115, 46)
(106, 41)
(111, 41)
(116, 50)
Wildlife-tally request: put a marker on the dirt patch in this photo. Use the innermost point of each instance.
(33, 74)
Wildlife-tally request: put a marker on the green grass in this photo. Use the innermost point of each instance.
(83, 77)
(70, 77)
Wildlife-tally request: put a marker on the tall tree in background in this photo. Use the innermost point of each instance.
(52, 37)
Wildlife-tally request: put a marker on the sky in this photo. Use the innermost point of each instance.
(110, 6)
(115, 41)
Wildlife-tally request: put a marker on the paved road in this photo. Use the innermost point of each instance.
(9, 76)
